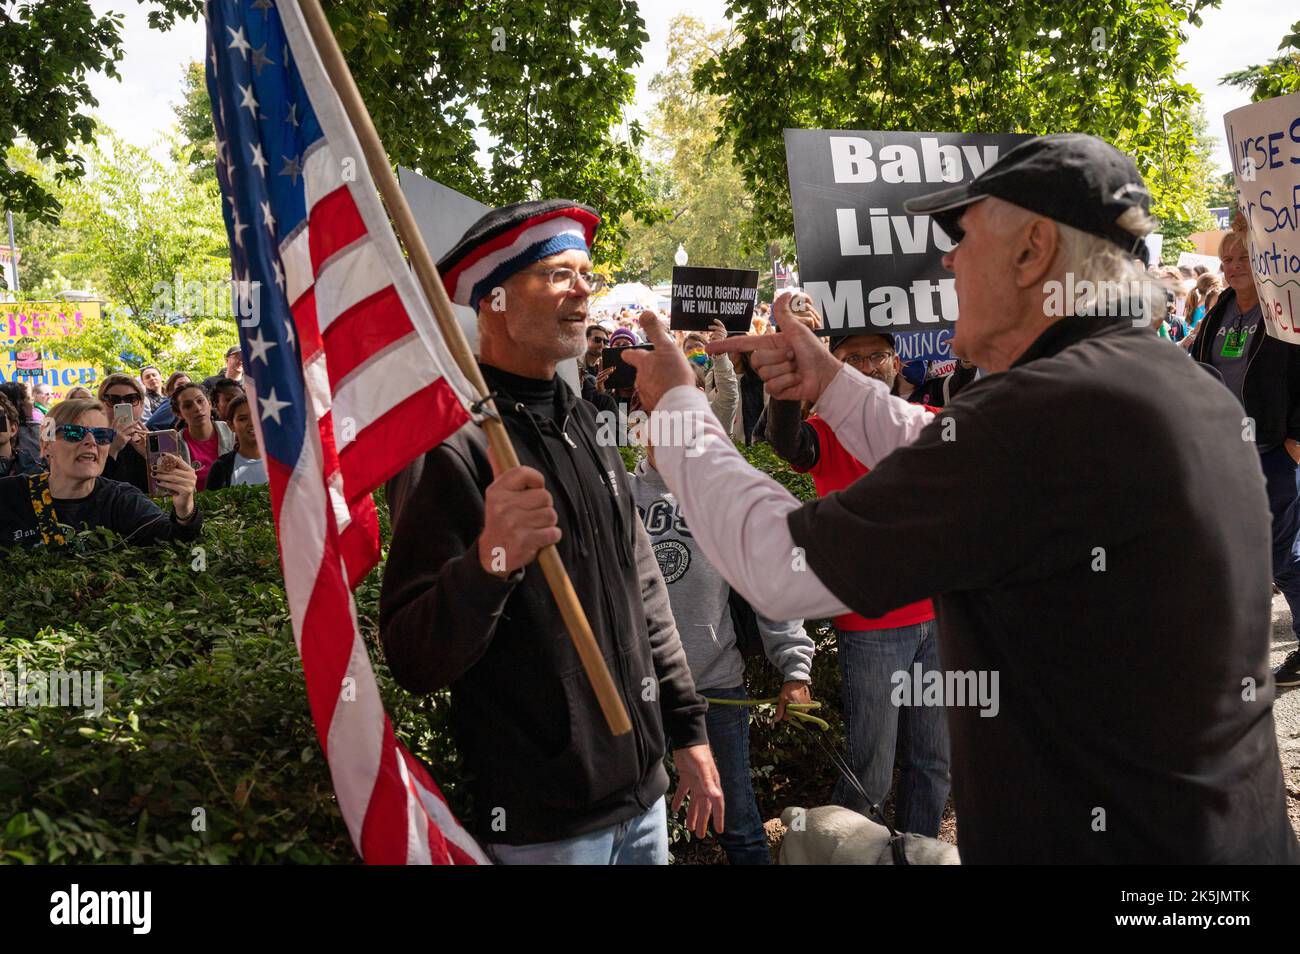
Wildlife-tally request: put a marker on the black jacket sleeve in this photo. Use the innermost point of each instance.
(439, 608)
(681, 707)
(141, 521)
(793, 439)
(222, 470)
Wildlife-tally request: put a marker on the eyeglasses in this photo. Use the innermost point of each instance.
(567, 279)
(876, 358)
(130, 397)
(600, 341)
(76, 433)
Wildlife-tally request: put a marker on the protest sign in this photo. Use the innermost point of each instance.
(1222, 217)
(1264, 141)
(865, 262)
(29, 339)
(703, 295)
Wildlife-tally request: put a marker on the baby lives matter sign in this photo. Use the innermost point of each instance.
(865, 262)
(1264, 139)
(704, 295)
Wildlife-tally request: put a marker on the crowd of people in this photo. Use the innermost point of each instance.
(958, 526)
(105, 459)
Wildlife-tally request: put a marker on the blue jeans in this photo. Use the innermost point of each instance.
(868, 661)
(1280, 477)
(744, 840)
(642, 840)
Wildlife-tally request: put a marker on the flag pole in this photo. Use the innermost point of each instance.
(575, 618)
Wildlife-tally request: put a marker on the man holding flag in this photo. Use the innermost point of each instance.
(464, 605)
(352, 380)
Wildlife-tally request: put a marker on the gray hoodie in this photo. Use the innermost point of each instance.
(698, 594)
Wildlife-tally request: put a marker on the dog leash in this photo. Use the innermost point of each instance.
(897, 844)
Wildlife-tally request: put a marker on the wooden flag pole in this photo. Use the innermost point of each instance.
(575, 619)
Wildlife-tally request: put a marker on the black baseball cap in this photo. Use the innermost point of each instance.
(837, 340)
(233, 349)
(1078, 180)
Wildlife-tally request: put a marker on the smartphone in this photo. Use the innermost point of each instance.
(160, 442)
(625, 375)
(122, 416)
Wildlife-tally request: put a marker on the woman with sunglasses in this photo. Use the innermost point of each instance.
(128, 454)
(45, 509)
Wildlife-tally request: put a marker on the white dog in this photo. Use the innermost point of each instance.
(831, 835)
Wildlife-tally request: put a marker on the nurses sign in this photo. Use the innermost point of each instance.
(1264, 139)
(29, 341)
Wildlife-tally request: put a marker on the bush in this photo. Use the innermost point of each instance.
(205, 751)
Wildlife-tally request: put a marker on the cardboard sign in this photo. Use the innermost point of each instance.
(704, 295)
(29, 344)
(865, 262)
(1264, 141)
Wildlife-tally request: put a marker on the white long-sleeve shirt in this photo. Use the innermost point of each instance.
(738, 514)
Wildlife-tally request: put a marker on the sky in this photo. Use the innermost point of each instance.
(1241, 33)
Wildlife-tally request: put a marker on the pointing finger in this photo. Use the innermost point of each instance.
(745, 343)
(654, 329)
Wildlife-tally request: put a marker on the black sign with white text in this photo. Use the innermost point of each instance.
(864, 261)
(703, 295)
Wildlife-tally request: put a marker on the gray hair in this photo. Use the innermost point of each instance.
(1092, 276)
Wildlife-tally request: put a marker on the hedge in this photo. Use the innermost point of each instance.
(205, 751)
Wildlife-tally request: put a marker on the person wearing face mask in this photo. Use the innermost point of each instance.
(46, 509)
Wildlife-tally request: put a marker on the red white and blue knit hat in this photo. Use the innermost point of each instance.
(511, 238)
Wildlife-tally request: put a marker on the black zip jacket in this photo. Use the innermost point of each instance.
(542, 761)
(1271, 389)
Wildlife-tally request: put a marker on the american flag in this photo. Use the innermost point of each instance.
(351, 382)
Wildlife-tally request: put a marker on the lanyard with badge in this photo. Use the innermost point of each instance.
(1234, 341)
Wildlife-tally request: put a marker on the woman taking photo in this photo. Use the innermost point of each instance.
(205, 438)
(46, 509)
(128, 454)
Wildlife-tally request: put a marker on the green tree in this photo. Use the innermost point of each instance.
(197, 148)
(1098, 66)
(48, 50)
(695, 175)
(1277, 77)
(545, 91)
(146, 238)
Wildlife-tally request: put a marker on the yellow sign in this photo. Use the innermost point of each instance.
(29, 342)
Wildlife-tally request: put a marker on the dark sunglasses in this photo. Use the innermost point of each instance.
(130, 397)
(76, 433)
(600, 341)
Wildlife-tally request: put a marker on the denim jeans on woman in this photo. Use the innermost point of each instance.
(877, 729)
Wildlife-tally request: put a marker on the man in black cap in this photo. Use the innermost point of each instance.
(1098, 712)
(464, 605)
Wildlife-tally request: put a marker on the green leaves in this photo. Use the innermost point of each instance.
(962, 65)
(49, 49)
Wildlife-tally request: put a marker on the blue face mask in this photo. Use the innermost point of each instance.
(914, 372)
